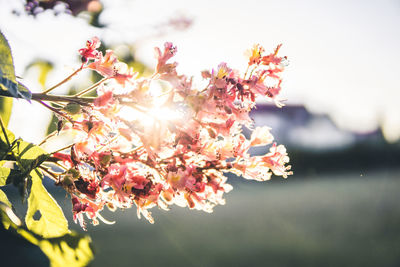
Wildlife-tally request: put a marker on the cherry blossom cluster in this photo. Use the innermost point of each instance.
(159, 140)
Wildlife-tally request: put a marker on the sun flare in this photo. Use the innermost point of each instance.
(152, 116)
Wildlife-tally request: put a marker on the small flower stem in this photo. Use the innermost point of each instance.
(61, 149)
(251, 73)
(63, 81)
(54, 161)
(94, 86)
(47, 138)
(60, 165)
(205, 89)
(245, 74)
(50, 173)
(56, 111)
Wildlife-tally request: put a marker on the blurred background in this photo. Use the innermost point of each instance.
(341, 124)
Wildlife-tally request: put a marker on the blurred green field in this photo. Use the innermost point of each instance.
(330, 220)
(349, 219)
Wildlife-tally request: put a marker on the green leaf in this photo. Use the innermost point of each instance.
(71, 249)
(24, 92)
(7, 64)
(52, 222)
(5, 109)
(4, 173)
(4, 136)
(30, 156)
(8, 80)
(7, 216)
(8, 175)
(4, 201)
(26, 155)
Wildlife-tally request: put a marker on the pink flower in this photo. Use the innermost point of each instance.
(252, 169)
(105, 65)
(104, 99)
(101, 160)
(124, 74)
(255, 54)
(115, 176)
(274, 90)
(272, 58)
(120, 160)
(88, 187)
(90, 51)
(84, 149)
(162, 57)
(78, 208)
(261, 136)
(223, 129)
(276, 160)
(65, 158)
(219, 77)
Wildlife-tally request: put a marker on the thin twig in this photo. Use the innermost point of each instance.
(247, 69)
(61, 98)
(94, 86)
(63, 81)
(50, 173)
(60, 165)
(61, 149)
(48, 137)
(56, 111)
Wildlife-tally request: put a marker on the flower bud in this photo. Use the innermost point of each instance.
(72, 108)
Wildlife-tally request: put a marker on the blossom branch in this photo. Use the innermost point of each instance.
(138, 147)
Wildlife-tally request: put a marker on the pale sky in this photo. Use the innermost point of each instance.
(344, 55)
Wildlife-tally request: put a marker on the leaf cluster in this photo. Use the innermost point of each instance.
(45, 224)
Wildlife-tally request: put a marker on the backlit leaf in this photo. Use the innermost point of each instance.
(4, 173)
(3, 140)
(30, 156)
(5, 109)
(4, 218)
(7, 216)
(7, 64)
(7, 175)
(8, 80)
(52, 222)
(69, 250)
